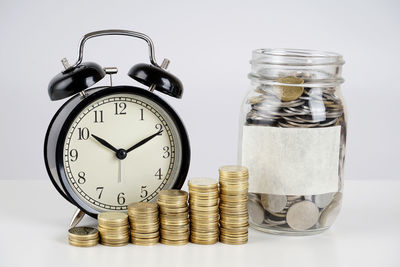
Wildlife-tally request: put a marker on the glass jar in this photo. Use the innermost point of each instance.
(292, 139)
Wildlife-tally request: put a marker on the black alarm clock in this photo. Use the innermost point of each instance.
(110, 146)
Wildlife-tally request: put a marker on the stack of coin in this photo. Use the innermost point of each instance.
(234, 185)
(143, 217)
(174, 217)
(203, 193)
(83, 236)
(113, 228)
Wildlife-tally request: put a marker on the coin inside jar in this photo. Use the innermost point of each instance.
(323, 200)
(257, 212)
(288, 91)
(273, 203)
(302, 215)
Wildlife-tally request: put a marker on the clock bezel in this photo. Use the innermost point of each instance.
(109, 91)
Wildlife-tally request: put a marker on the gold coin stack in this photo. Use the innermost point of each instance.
(203, 200)
(234, 218)
(174, 217)
(82, 236)
(143, 217)
(113, 228)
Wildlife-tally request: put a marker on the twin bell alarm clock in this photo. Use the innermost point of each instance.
(110, 146)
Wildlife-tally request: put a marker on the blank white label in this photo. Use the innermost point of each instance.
(291, 161)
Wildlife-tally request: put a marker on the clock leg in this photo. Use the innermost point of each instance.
(76, 218)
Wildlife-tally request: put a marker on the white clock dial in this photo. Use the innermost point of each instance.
(93, 170)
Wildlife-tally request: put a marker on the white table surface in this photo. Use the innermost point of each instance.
(34, 221)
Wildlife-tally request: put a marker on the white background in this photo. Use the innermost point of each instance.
(209, 44)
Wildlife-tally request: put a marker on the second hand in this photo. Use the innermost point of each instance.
(120, 172)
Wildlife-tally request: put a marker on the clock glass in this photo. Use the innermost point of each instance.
(119, 149)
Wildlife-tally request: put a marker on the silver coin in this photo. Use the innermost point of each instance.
(273, 222)
(328, 216)
(285, 125)
(273, 203)
(253, 197)
(323, 200)
(83, 230)
(329, 123)
(303, 125)
(256, 212)
(302, 215)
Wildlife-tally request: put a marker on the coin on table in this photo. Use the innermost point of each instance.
(273, 203)
(302, 215)
(290, 92)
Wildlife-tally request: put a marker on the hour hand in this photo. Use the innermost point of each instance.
(104, 143)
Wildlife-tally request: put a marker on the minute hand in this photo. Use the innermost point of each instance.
(144, 141)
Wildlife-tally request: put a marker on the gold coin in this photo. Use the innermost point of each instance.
(143, 207)
(173, 194)
(233, 241)
(174, 242)
(112, 217)
(83, 233)
(234, 231)
(145, 235)
(203, 183)
(84, 244)
(204, 242)
(236, 169)
(288, 92)
(173, 210)
(145, 241)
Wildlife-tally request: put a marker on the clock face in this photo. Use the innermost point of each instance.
(120, 149)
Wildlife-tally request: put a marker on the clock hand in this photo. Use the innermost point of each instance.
(144, 141)
(120, 172)
(105, 143)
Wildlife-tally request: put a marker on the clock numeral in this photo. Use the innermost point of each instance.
(141, 114)
(159, 127)
(158, 174)
(98, 116)
(121, 198)
(81, 179)
(143, 191)
(101, 188)
(83, 133)
(120, 108)
(166, 152)
(74, 155)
